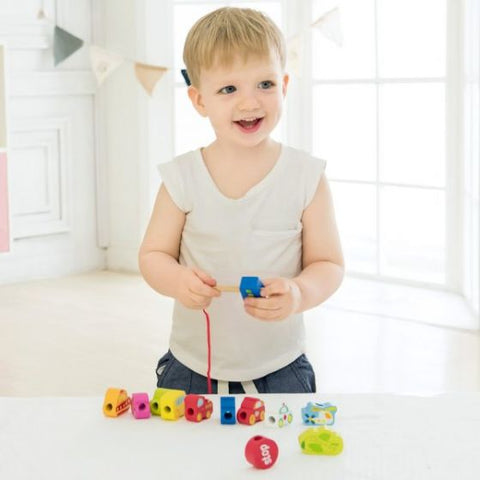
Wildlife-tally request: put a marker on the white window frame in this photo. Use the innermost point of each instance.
(470, 181)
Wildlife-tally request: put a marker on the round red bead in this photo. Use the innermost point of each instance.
(261, 452)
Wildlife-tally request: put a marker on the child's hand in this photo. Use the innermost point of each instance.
(195, 288)
(280, 297)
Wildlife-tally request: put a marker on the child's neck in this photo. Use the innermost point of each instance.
(263, 152)
(236, 170)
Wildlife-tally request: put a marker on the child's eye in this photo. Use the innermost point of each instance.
(266, 84)
(227, 90)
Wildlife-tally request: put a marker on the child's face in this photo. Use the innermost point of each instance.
(244, 101)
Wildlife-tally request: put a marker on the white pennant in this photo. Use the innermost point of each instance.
(329, 25)
(295, 54)
(104, 62)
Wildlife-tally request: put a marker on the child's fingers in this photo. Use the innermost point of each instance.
(262, 307)
(203, 290)
(200, 287)
(274, 286)
(204, 277)
(273, 312)
(200, 301)
(205, 284)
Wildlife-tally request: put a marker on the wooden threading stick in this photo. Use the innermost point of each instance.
(228, 288)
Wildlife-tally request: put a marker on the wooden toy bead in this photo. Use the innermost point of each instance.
(197, 408)
(320, 441)
(168, 404)
(261, 452)
(116, 402)
(227, 411)
(282, 418)
(250, 286)
(140, 405)
(251, 410)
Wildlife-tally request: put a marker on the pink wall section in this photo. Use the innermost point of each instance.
(4, 232)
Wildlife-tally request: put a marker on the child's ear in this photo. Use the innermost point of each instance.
(196, 99)
(285, 80)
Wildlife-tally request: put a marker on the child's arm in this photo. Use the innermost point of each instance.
(158, 257)
(322, 261)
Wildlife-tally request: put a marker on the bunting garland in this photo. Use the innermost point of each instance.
(148, 75)
(328, 24)
(64, 44)
(105, 62)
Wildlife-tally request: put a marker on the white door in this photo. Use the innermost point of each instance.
(51, 139)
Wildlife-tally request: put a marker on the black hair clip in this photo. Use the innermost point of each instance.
(186, 77)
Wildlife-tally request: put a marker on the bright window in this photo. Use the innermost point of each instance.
(379, 120)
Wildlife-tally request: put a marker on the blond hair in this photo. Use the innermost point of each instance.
(222, 35)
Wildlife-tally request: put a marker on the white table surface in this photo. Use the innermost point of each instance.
(386, 437)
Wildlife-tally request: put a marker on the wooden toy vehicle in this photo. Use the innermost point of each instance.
(282, 418)
(251, 410)
(319, 413)
(197, 408)
(168, 404)
(320, 441)
(116, 402)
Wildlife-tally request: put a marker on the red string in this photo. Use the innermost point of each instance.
(209, 353)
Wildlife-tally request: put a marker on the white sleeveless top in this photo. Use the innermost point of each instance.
(259, 234)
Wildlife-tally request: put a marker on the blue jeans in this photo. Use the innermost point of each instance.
(297, 377)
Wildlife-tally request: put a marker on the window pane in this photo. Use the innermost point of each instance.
(344, 129)
(412, 134)
(355, 209)
(191, 130)
(412, 234)
(411, 38)
(468, 247)
(356, 58)
(475, 256)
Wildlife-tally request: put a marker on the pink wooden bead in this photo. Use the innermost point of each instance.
(140, 405)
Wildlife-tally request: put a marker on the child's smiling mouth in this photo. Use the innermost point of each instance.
(249, 125)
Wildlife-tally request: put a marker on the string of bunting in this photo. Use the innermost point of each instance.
(105, 62)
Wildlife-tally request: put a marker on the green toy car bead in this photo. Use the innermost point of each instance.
(320, 441)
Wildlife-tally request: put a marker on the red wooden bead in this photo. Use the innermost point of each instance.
(261, 452)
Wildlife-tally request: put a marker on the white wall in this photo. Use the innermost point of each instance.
(133, 135)
(51, 158)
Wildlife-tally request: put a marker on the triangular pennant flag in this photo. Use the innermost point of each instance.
(148, 75)
(64, 44)
(329, 25)
(295, 54)
(103, 62)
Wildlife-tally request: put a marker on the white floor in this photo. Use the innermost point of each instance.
(81, 334)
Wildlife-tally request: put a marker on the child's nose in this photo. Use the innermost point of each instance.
(248, 101)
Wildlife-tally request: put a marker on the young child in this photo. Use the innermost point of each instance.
(244, 205)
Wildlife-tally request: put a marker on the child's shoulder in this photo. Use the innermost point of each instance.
(181, 163)
(186, 158)
(301, 159)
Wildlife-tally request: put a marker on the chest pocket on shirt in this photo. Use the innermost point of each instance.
(279, 251)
